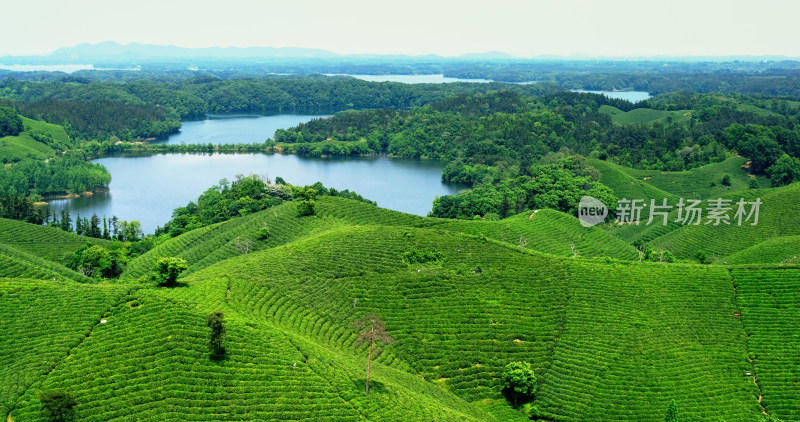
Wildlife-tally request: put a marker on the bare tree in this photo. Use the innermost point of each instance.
(523, 242)
(372, 329)
(242, 245)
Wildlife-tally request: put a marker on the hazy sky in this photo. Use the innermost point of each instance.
(522, 28)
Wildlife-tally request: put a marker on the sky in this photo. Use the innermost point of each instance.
(615, 28)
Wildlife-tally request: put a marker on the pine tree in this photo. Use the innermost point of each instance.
(94, 227)
(78, 225)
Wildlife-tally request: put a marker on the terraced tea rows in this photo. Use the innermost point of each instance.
(150, 360)
(649, 333)
(19, 264)
(45, 242)
(41, 322)
(778, 250)
(607, 341)
(777, 217)
(697, 182)
(211, 244)
(769, 300)
(548, 231)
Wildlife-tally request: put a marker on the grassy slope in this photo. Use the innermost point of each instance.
(769, 300)
(24, 146)
(696, 183)
(777, 217)
(19, 264)
(41, 323)
(643, 115)
(609, 341)
(783, 249)
(649, 184)
(46, 242)
(459, 329)
(548, 231)
(150, 360)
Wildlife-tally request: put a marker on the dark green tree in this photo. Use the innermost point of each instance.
(94, 227)
(167, 269)
(726, 180)
(10, 122)
(58, 405)
(372, 330)
(79, 225)
(519, 379)
(305, 207)
(216, 322)
(66, 221)
(786, 170)
(672, 412)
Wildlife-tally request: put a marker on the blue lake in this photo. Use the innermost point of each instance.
(148, 188)
(236, 128)
(632, 96)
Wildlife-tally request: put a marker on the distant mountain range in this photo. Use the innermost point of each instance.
(136, 53)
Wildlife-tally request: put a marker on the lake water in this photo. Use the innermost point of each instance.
(632, 96)
(411, 79)
(236, 128)
(148, 188)
(66, 68)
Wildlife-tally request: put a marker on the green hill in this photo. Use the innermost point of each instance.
(783, 249)
(696, 183)
(460, 327)
(768, 299)
(39, 140)
(18, 264)
(625, 185)
(777, 217)
(608, 340)
(41, 323)
(643, 115)
(46, 242)
(548, 231)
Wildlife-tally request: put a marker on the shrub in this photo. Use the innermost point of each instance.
(167, 269)
(419, 256)
(305, 208)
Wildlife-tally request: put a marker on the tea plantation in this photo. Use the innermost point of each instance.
(608, 337)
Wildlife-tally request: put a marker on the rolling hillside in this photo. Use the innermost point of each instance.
(39, 140)
(595, 330)
(643, 115)
(45, 242)
(777, 218)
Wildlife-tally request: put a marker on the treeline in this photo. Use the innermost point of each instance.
(496, 142)
(141, 109)
(111, 229)
(23, 208)
(68, 173)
